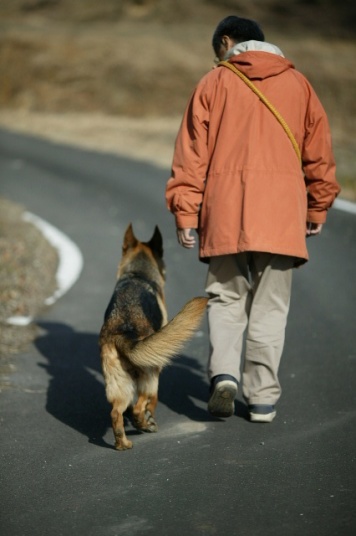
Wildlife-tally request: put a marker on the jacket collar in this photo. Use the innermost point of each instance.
(259, 46)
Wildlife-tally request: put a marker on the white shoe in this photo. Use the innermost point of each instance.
(222, 400)
(262, 413)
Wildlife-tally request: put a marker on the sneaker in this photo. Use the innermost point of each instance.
(222, 398)
(261, 413)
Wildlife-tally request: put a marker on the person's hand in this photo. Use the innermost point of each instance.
(185, 239)
(314, 228)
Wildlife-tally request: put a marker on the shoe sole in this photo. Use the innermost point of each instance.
(260, 417)
(222, 401)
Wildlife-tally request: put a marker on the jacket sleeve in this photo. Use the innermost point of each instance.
(318, 162)
(185, 188)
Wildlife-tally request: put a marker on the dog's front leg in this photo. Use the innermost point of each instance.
(117, 419)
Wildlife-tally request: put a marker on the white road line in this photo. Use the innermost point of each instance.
(346, 206)
(69, 266)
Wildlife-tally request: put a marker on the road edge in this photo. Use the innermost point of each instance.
(70, 262)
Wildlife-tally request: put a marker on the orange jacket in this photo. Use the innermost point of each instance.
(235, 174)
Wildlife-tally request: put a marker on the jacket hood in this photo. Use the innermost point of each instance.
(258, 60)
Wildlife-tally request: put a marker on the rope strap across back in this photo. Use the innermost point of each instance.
(265, 101)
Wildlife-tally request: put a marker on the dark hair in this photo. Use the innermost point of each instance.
(238, 30)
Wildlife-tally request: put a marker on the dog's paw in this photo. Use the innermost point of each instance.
(124, 445)
(151, 425)
(147, 424)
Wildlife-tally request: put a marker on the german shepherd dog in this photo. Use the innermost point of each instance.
(136, 341)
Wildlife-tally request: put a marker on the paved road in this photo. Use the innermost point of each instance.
(197, 476)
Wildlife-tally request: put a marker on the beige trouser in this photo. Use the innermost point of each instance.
(249, 290)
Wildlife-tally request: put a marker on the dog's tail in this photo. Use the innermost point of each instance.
(158, 349)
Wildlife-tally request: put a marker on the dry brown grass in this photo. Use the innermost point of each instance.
(141, 60)
(27, 276)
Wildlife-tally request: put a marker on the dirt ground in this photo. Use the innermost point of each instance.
(116, 76)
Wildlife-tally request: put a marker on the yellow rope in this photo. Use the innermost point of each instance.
(267, 103)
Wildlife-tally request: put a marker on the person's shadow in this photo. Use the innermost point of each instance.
(76, 391)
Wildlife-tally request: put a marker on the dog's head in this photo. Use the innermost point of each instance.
(141, 256)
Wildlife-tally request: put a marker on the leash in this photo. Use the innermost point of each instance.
(265, 101)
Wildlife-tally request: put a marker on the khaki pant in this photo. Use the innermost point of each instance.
(249, 292)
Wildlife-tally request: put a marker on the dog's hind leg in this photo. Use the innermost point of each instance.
(117, 419)
(119, 392)
(143, 413)
(144, 409)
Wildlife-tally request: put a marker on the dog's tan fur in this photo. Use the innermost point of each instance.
(136, 341)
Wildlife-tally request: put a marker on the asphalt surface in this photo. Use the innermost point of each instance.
(197, 476)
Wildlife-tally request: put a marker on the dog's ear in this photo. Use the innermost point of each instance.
(156, 242)
(130, 240)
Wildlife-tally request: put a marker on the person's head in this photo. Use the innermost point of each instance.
(233, 30)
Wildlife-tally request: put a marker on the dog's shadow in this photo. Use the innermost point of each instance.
(76, 391)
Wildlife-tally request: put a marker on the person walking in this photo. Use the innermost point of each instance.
(253, 172)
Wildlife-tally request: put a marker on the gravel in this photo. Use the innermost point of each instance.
(28, 265)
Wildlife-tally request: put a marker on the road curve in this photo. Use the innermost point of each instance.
(196, 476)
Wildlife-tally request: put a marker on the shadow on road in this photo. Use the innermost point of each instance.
(76, 392)
(184, 388)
